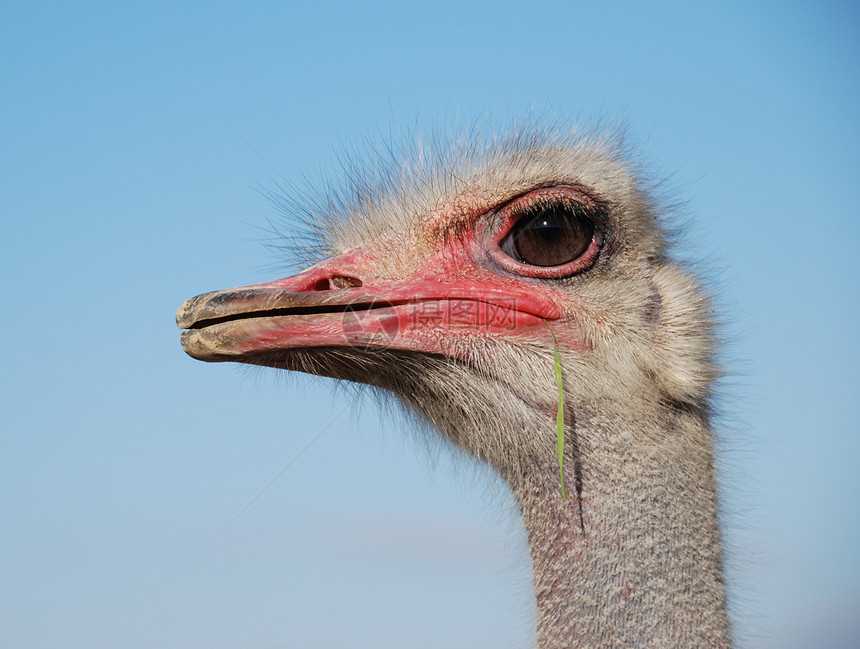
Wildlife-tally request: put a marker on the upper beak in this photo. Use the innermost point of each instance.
(338, 303)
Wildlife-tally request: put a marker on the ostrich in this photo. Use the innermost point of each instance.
(456, 281)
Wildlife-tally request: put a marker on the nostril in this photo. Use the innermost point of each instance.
(344, 281)
(334, 282)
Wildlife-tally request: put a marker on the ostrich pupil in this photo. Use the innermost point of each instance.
(547, 229)
(552, 237)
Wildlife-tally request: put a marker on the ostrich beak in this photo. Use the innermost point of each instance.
(339, 303)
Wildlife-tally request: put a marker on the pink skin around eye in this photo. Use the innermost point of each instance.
(510, 215)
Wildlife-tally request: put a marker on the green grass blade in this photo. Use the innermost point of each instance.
(559, 417)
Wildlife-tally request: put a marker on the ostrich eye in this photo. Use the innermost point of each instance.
(551, 234)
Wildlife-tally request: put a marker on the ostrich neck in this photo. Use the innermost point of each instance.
(632, 558)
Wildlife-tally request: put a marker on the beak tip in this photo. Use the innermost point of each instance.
(186, 315)
(199, 347)
(189, 341)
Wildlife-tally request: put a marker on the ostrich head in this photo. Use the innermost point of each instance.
(443, 282)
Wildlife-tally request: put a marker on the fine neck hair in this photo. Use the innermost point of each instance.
(632, 558)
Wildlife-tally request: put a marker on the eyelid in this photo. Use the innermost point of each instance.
(507, 215)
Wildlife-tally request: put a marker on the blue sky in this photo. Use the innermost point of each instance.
(126, 189)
